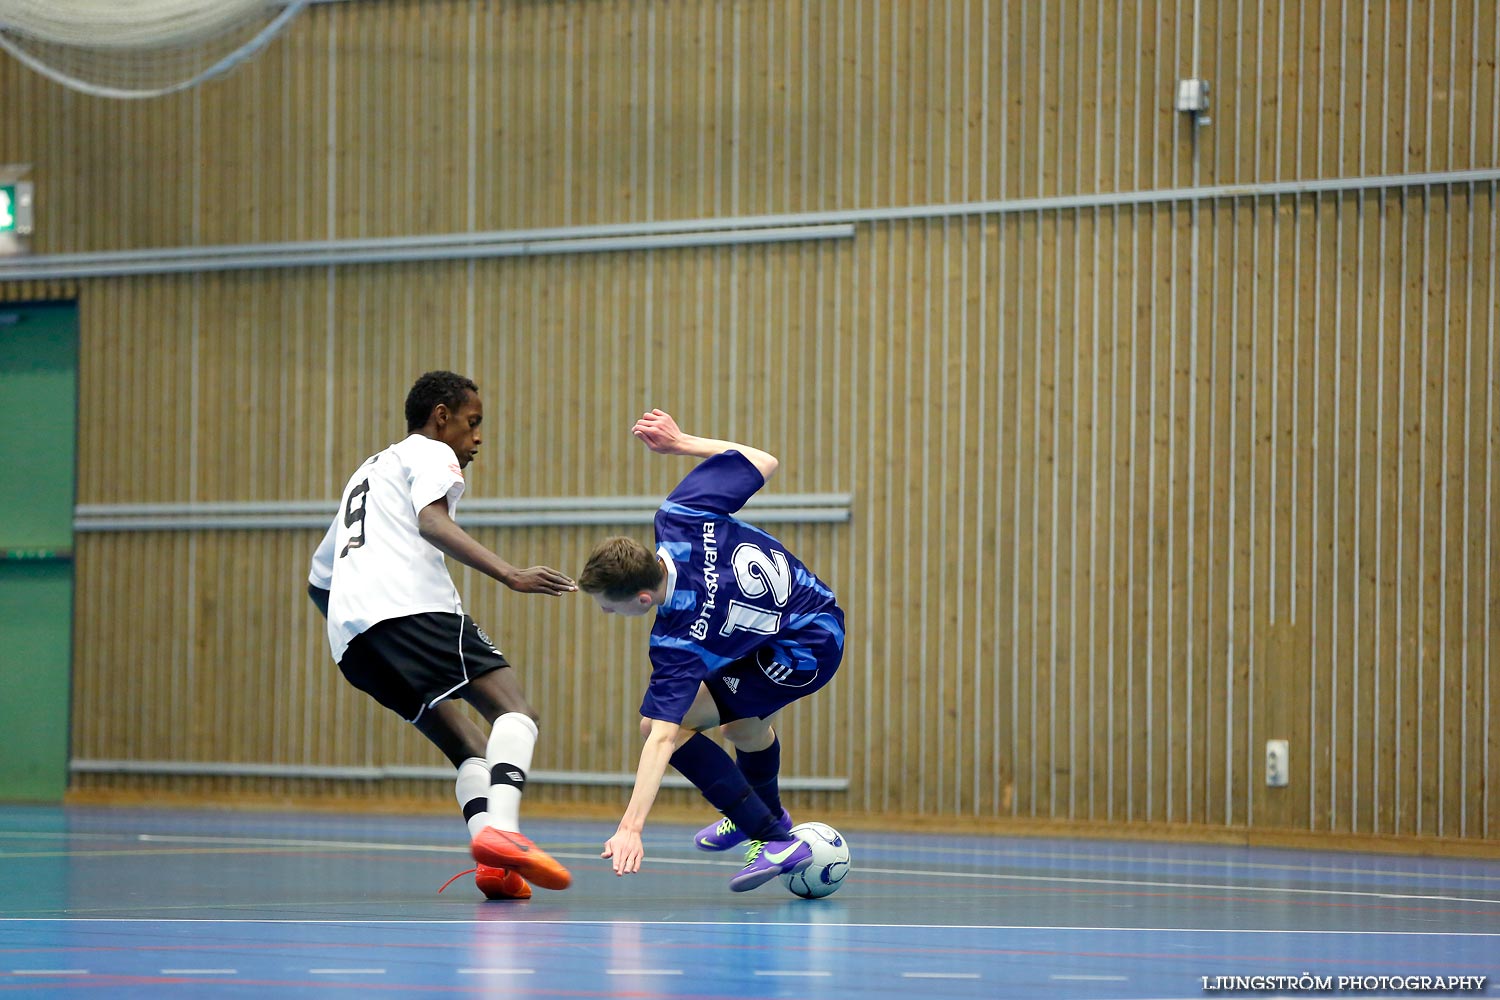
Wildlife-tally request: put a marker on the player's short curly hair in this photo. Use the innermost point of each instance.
(448, 388)
(620, 567)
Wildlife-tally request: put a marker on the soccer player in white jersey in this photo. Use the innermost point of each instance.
(742, 629)
(398, 630)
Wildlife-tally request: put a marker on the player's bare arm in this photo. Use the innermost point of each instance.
(320, 583)
(443, 533)
(625, 847)
(658, 431)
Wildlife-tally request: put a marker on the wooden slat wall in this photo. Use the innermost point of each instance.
(1136, 488)
(395, 117)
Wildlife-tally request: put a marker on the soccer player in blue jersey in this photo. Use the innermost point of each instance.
(742, 630)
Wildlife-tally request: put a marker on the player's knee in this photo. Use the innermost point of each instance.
(520, 706)
(748, 734)
(491, 714)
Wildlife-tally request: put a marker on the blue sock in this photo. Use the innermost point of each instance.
(761, 768)
(704, 763)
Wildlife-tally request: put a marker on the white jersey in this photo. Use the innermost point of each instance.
(373, 559)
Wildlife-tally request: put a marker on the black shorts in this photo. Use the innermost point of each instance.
(410, 664)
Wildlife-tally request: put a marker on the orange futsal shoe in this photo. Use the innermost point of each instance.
(501, 883)
(508, 849)
(495, 883)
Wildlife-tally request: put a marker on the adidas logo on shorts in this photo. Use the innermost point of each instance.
(733, 684)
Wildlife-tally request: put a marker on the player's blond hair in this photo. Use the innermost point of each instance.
(620, 567)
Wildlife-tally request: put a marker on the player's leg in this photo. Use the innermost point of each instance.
(410, 665)
(758, 757)
(749, 693)
(757, 753)
(723, 784)
(400, 663)
(463, 743)
(496, 694)
(414, 665)
(393, 664)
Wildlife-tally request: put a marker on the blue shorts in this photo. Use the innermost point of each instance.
(758, 685)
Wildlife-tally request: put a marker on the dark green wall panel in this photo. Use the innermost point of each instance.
(38, 383)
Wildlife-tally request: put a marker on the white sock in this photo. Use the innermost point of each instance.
(473, 790)
(512, 740)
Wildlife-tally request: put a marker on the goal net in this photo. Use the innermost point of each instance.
(138, 48)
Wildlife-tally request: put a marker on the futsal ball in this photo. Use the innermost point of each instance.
(830, 862)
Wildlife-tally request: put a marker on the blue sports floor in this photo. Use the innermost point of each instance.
(138, 903)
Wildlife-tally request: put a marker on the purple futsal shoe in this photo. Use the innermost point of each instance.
(723, 835)
(767, 859)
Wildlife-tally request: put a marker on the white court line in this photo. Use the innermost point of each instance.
(1209, 886)
(939, 975)
(642, 972)
(922, 873)
(49, 972)
(1266, 866)
(200, 972)
(346, 972)
(822, 926)
(1093, 979)
(926, 850)
(790, 972)
(1260, 866)
(497, 972)
(281, 844)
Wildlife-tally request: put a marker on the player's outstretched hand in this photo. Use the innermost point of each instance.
(659, 432)
(541, 580)
(626, 849)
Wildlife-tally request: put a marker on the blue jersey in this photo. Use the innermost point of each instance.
(731, 589)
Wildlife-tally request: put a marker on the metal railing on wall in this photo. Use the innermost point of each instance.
(351, 772)
(441, 246)
(672, 234)
(510, 512)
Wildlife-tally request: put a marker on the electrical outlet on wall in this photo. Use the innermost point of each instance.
(1277, 768)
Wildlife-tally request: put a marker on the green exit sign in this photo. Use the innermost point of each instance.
(15, 208)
